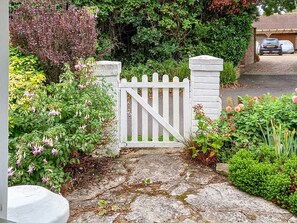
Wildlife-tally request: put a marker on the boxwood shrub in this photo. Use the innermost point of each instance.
(273, 179)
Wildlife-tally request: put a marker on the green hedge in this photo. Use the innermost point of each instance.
(273, 179)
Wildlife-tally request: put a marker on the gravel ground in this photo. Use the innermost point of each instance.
(274, 65)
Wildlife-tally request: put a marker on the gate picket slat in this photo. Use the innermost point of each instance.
(186, 109)
(134, 115)
(144, 112)
(123, 113)
(175, 102)
(165, 107)
(155, 124)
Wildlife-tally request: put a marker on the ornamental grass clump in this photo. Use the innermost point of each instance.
(56, 123)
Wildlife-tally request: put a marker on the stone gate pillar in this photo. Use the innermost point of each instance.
(110, 71)
(205, 86)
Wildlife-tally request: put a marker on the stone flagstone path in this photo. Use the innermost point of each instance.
(163, 186)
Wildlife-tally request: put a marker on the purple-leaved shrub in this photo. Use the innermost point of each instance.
(55, 33)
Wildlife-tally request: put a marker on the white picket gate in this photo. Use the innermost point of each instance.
(159, 121)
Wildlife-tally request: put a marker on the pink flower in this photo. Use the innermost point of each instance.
(88, 83)
(29, 95)
(87, 77)
(18, 162)
(10, 172)
(77, 67)
(40, 149)
(91, 71)
(241, 106)
(32, 109)
(81, 87)
(48, 142)
(35, 151)
(296, 90)
(55, 152)
(237, 109)
(82, 127)
(228, 109)
(45, 179)
(256, 99)
(294, 99)
(53, 113)
(30, 170)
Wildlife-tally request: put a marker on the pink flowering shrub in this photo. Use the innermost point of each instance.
(254, 112)
(58, 120)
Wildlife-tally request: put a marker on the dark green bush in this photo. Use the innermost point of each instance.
(229, 36)
(290, 166)
(273, 179)
(228, 75)
(248, 174)
(160, 30)
(293, 202)
(277, 187)
(169, 67)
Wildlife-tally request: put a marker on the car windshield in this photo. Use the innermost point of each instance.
(270, 41)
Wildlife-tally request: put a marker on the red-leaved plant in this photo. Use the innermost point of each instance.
(55, 33)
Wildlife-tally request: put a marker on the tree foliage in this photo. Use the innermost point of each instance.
(277, 6)
(135, 31)
(139, 30)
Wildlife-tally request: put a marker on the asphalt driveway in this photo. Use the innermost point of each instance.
(257, 85)
(273, 74)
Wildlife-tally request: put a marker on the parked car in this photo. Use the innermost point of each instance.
(287, 46)
(271, 45)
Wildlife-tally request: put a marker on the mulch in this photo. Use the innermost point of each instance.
(84, 171)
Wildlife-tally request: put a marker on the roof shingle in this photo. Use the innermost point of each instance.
(284, 21)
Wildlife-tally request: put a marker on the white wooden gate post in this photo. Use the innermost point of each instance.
(205, 85)
(3, 107)
(110, 71)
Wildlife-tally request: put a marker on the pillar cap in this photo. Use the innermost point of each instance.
(205, 60)
(107, 68)
(107, 62)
